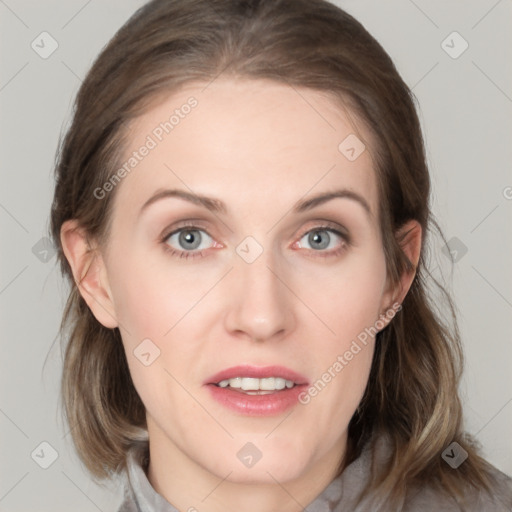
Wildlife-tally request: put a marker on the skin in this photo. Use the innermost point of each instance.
(260, 147)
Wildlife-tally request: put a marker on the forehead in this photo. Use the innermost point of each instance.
(249, 142)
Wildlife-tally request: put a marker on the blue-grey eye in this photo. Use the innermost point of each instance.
(189, 239)
(320, 239)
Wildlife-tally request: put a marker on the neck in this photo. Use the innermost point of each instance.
(188, 486)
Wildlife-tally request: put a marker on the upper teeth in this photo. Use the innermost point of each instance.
(251, 384)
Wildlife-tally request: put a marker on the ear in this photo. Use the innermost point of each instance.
(409, 237)
(89, 272)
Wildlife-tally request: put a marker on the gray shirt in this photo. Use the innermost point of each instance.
(340, 495)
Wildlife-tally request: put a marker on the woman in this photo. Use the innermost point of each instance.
(242, 203)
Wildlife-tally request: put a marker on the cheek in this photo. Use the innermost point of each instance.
(348, 297)
(150, 299)
(350, 307)
(157, 307)
(338, 388)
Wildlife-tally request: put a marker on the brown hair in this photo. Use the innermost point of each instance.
(412, 392)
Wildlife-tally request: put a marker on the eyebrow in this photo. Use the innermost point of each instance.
(217, 206)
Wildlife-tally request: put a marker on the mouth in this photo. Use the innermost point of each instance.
(254, 386)
(257, 378)
(256, 391)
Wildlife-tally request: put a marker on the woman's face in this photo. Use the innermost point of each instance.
(281, 271)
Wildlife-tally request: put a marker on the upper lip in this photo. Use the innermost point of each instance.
(257, 372)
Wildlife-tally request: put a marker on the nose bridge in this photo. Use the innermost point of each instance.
(260, 303)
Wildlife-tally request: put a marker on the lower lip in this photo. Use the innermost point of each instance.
(257, 405)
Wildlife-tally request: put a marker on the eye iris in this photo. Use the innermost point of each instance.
(190, 237)
(316, 238)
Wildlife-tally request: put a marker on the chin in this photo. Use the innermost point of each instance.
(268, 469)
(263, 475)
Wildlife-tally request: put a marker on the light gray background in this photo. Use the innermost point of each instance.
(466, 107)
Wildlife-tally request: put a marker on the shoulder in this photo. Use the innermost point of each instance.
(133, 477)
(429, 498)
(129, 499)
(139, 494)
(128, 505)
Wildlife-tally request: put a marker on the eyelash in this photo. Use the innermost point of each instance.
(200, 254)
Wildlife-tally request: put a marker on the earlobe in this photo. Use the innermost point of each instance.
(89, 273)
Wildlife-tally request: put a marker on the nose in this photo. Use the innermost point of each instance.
(260, 305)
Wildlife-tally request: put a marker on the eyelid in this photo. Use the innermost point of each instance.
(319, 224)
(314, 225)
(193, 225)
(190, 223)
(199, 223)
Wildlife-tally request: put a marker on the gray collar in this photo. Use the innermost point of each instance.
(340, 494)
